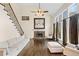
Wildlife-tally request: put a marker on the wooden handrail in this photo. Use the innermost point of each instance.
(16, 19)
(2, 4)
(17, 23)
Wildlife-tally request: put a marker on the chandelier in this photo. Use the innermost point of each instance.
(39, 11)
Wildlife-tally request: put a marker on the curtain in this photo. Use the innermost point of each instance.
(73, 36)
(64, 32)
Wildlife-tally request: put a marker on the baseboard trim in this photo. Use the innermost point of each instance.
(26, 47)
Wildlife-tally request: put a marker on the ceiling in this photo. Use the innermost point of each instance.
(52, 8)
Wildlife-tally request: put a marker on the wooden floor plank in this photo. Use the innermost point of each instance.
(37, 48)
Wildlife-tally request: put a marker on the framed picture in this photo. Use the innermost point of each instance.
(25, 18)
(39, 23)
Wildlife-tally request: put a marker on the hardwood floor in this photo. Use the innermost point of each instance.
(37, 48)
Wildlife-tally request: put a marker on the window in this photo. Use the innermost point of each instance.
(59, 30)
(59, 26)
(73, 9)
(65, 14)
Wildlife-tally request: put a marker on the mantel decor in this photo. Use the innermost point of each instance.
(39, 23)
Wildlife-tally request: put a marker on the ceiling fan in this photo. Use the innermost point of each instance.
(39, 11)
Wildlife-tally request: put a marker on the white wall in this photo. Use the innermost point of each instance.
(7, 28)
(28, 25)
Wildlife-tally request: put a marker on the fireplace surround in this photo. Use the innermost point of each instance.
(39, 34)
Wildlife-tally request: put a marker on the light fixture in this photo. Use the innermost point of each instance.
(39, 11)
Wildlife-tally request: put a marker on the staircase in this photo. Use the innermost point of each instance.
(11, 14)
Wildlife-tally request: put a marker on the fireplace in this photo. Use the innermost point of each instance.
(39, 34)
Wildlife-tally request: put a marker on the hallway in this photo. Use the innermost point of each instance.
(26, 31)
(37, 48)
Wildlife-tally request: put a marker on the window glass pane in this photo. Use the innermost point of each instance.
(65, 14)
(59, 30)
(73, 9)
(59, 26)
